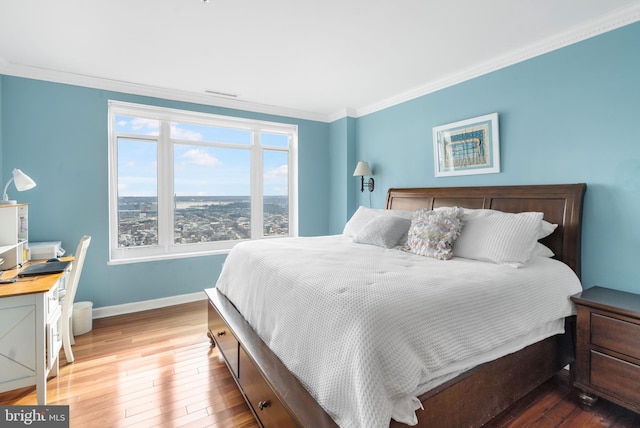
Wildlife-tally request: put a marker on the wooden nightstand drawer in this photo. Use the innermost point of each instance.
(615, 376)
(615, 335)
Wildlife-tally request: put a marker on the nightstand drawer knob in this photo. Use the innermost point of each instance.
(263, 404)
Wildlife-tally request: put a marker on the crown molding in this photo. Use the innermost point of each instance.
(345, 112)
(57, 76)
(577, 34)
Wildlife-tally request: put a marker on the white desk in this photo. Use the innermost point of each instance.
(30, 331)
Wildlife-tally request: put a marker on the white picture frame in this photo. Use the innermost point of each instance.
(467, 147)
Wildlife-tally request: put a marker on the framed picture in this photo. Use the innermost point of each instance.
(467, 147)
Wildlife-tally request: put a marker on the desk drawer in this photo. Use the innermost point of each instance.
(261, 397)
(225, 340)
(54, 337)
(616, 335)
(617, 377)
(53, 296)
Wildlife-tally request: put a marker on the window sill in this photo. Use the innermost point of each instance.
(130, 260)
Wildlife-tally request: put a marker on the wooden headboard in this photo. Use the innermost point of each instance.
(560, 203)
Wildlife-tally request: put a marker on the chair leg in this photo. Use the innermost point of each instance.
(71, 336)
(66, 340)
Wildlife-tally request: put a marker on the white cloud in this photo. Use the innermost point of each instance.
(151, 125)
(184, 134)
(277, 173)
(278, 191)
(200, 158)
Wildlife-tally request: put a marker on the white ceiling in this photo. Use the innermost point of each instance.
(314, 59)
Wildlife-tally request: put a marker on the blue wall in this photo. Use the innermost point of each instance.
(565, 117)
(57, 134)
(342, 164)
(1, 155)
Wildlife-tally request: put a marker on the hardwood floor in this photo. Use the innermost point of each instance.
(554, 404)
(157, 369)
(148, 369)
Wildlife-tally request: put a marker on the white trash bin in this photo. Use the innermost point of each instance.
(82, 318)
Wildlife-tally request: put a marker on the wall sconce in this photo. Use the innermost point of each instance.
(363, 169)
(22, 181)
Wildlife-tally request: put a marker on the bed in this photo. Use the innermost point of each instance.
(470, 397)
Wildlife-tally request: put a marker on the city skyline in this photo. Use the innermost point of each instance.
(198, 219)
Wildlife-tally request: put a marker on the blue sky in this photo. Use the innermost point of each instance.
(199, 170)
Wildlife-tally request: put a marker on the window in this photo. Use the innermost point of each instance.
(185, 183)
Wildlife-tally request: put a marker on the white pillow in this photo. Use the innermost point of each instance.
(384, 231)
(542, 250)
(546, 229)
(498, 237)
(364, 215)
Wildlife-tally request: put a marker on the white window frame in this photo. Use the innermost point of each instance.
(166, 248)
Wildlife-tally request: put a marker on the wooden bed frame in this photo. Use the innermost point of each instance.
(278, 399)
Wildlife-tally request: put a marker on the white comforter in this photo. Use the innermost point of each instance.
(367, 329)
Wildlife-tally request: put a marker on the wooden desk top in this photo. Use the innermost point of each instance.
(29, 284)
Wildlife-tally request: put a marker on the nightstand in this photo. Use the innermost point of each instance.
(608, 347)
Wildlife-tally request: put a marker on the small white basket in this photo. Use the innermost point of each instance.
(82, 318)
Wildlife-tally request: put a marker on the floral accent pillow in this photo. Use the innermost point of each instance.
(433, 232)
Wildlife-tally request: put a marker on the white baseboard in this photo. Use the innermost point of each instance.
(128, 308)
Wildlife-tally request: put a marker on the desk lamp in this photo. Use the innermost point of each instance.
(22, 181)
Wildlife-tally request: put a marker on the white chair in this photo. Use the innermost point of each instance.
(70, 295)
